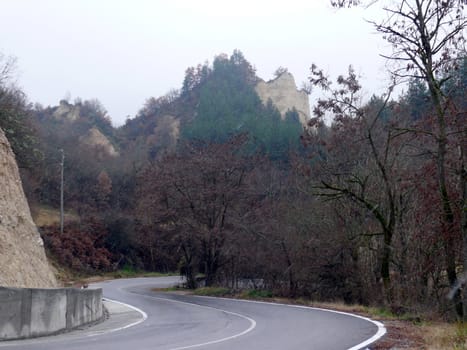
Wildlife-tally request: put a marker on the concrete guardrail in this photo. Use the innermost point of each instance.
(27, 313)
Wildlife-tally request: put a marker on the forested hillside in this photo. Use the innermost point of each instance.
(366, 204)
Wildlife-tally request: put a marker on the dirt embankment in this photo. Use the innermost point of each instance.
(22, 257)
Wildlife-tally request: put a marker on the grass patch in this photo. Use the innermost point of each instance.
(226, 292)
(131, 272)
(256, 294)
(442, 336)
(212, 291)
(369, 311)
(48, 216)
(382, 312)
(461, 336)
(134, 274)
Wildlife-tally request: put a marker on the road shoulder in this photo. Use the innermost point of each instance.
(119, 316)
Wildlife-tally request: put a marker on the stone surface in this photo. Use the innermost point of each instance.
(27, 313)
(95, 138)
(48, 311)
(22, 257)
(67, 111)
(285, 96)
(83, 306)
(166, 133)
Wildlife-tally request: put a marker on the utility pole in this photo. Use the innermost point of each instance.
(62, 164)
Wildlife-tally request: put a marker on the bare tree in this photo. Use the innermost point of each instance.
(428, 42)
(195, 195)
(7, 68)
(15, 116)
(360, 160)
(279, 71)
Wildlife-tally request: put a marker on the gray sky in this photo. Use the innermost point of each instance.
(125, 51)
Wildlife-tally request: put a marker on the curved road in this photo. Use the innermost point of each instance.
(178, 322)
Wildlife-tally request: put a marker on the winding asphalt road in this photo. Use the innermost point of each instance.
(179, 322)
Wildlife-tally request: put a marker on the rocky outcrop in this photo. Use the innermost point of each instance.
(22, 257)
(284, 94)
(94, 138)
(165, 135)
(167, 131)
(67, 111)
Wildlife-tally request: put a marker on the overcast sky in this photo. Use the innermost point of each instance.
(125, 51)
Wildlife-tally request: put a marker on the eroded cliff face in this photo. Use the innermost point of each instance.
(96, 139)
(22, 257)
(67, 111)
(285, 96)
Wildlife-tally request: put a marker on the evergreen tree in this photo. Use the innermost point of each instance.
(229, 105)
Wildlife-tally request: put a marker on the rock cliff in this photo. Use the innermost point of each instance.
(96, 139)
(285, 96)
(22, 257)
(67, 111)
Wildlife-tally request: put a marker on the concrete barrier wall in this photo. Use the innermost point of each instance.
(26, 313)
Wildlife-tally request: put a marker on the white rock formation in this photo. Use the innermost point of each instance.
(67, 111)
(95, 138)
(285, 96)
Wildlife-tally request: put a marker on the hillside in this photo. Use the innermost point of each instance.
(103, 165)
(217, 101)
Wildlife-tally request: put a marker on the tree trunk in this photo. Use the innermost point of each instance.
(448, 215)
(291, 277)
(385, 272)
(463, 188)
(188, 270)
(211, 272)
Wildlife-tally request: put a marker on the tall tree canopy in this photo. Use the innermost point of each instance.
(428, 43)
(15, 119)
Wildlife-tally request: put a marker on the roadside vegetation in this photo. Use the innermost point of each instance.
(404, 331)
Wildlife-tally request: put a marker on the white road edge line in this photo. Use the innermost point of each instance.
(379, 334)
(252, 323)
(144, 318)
